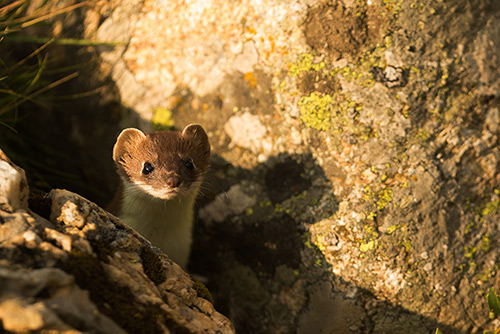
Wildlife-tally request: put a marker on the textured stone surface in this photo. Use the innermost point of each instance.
(374, 189)
(83, 271)
(366, 133)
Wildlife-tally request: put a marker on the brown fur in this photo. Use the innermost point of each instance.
(166, 151)
(158, 201)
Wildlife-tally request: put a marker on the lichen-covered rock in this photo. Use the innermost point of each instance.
(81, 270)
(366, 134)
(357, 141)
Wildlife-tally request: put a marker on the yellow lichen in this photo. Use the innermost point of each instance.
(265, 203)
(162, 119)
(491, 208)
(406, 245)
(486, 243)
(305, 64)
(469, 252)
(364, 247)
(315, 112)
(393, 228)
(320, 243)
(384, 198)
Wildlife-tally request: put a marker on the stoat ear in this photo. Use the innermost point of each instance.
(198, 137)
(127, 141)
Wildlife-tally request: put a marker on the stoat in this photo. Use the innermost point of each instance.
(161, 174)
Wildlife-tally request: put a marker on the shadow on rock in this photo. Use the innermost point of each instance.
(252, 243)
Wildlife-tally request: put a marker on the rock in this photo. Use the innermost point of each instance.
(487, 57)
(245, 61)
(401, 100)
(235, 201)
(14, 190)
(492, 121)
(83, 271)
(246, 130)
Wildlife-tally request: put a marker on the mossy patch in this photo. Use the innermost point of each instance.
(202, 290)
(152, 265)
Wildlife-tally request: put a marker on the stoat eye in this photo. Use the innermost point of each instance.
(189, 164)
(148, 168)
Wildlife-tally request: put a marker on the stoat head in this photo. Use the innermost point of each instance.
(163, 164)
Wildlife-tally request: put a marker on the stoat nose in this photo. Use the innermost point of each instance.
(173, 181)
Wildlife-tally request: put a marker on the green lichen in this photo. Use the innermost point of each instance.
(456, 103)
(469, 227)
(308, 244)
(162, 119)
(487, 274)
(491, 208)
(305, 64)
(423, 134)
(381, 199)
(407, 245)
(364, 247)
(369, 242)
(384, 198)
(470, 252)
(486, 243)
(319, 242)
(314, 201)
(472, 268)
(202, 290)
(393, 6)
(361, 73)
(315, 111)
(371, 231)
(278, 208)
(368, 194)
(384, 177)
(484, 276)
(265, 204)
(393, 228)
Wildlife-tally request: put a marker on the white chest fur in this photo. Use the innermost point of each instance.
(166, 223)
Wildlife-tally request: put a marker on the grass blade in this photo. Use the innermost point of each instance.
(38, 92)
